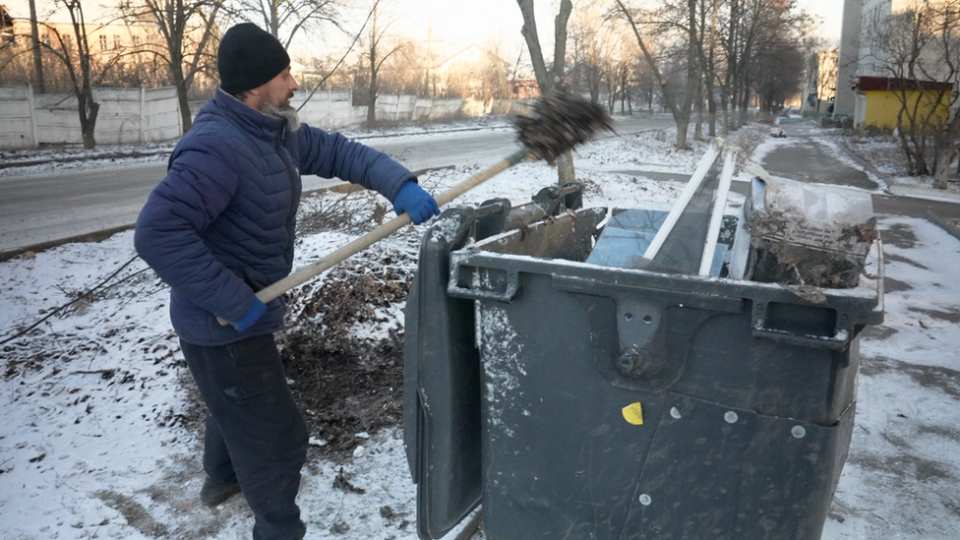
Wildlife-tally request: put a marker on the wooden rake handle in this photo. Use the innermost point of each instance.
(311, 271)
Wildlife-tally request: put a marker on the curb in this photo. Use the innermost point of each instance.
(95, 236)
(896, 190)
(925, 193)
(74, 159)
(944, 224)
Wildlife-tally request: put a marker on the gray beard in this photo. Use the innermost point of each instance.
(288, 114)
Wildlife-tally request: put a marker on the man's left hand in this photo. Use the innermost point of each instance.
(412, 199)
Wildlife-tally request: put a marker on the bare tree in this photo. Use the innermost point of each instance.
(549, 79)
(593, 36)
(377, 53)
(284, 19)
(947, 18)
(829, 64)
(495, 72)
(755, 30)
(187, 29)
(778, 77)
(83, 69)
(921, 56)
(690, 32)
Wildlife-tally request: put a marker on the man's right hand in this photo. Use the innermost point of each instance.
(254, 312)
(414, 200)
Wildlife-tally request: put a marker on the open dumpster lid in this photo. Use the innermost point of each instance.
(441, 385)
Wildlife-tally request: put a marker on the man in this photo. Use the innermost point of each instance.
(219, 227)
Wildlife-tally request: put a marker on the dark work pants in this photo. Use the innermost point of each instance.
(254, 431)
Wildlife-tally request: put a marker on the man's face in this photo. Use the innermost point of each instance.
(277, 91)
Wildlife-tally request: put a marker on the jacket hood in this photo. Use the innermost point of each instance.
(246, 117)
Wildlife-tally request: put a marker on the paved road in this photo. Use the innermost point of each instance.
(807, 161)
(37, 209)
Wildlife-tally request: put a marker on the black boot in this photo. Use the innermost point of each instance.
(214, 492)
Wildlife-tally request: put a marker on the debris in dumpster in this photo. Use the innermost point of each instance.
(802, 235)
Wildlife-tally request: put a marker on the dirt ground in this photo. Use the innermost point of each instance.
(348, 383)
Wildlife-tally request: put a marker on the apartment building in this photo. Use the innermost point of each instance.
(127, 45)
(866, 67)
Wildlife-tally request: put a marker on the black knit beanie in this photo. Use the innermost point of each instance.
(248, 57)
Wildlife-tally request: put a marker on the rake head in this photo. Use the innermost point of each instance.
(559, 123)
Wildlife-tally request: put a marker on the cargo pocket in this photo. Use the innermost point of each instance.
(260, 391)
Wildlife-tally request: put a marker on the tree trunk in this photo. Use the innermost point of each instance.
(88, 110)
(905, 144)
(681, 112)
(725, 109)
(945, 151)
(176, 73)
(623, 90)
(548, 80)
(683, 125)
(594, 84)
(729, 97)
(565, 169)
(372, 89)
(693, 75)
(186, 117)
(698, 130)
(744, 106)
(712, 115)
(372, 95)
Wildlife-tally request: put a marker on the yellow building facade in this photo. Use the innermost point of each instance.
(880, 101)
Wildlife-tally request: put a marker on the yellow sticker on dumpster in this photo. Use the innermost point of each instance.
(633, 413)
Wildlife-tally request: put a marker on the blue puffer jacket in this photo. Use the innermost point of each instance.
(221, 224)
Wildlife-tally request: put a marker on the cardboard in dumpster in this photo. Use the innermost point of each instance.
(801, 234)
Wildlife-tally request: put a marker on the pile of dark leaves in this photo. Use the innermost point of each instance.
(348, 383)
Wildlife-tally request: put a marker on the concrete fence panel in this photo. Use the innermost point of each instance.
(126, 116)
(329, 110)
(405, 108)
(387, 107)
(422, 109)
(142, 115)
(16, 117)
(118, 121)
(56, 119)
(435, 109)
(446, 108)
(161, 114)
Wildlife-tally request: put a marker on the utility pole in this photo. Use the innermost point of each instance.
(37, 56)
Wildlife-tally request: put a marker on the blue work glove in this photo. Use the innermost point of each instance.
(256, 310)
(412, 199)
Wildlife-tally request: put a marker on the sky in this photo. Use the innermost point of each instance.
(479, 19)
(462, 22)
(830, 15)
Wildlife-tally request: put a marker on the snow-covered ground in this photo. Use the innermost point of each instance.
(93, 442)
(884, 153)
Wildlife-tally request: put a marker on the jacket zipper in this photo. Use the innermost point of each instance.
(292, 171)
